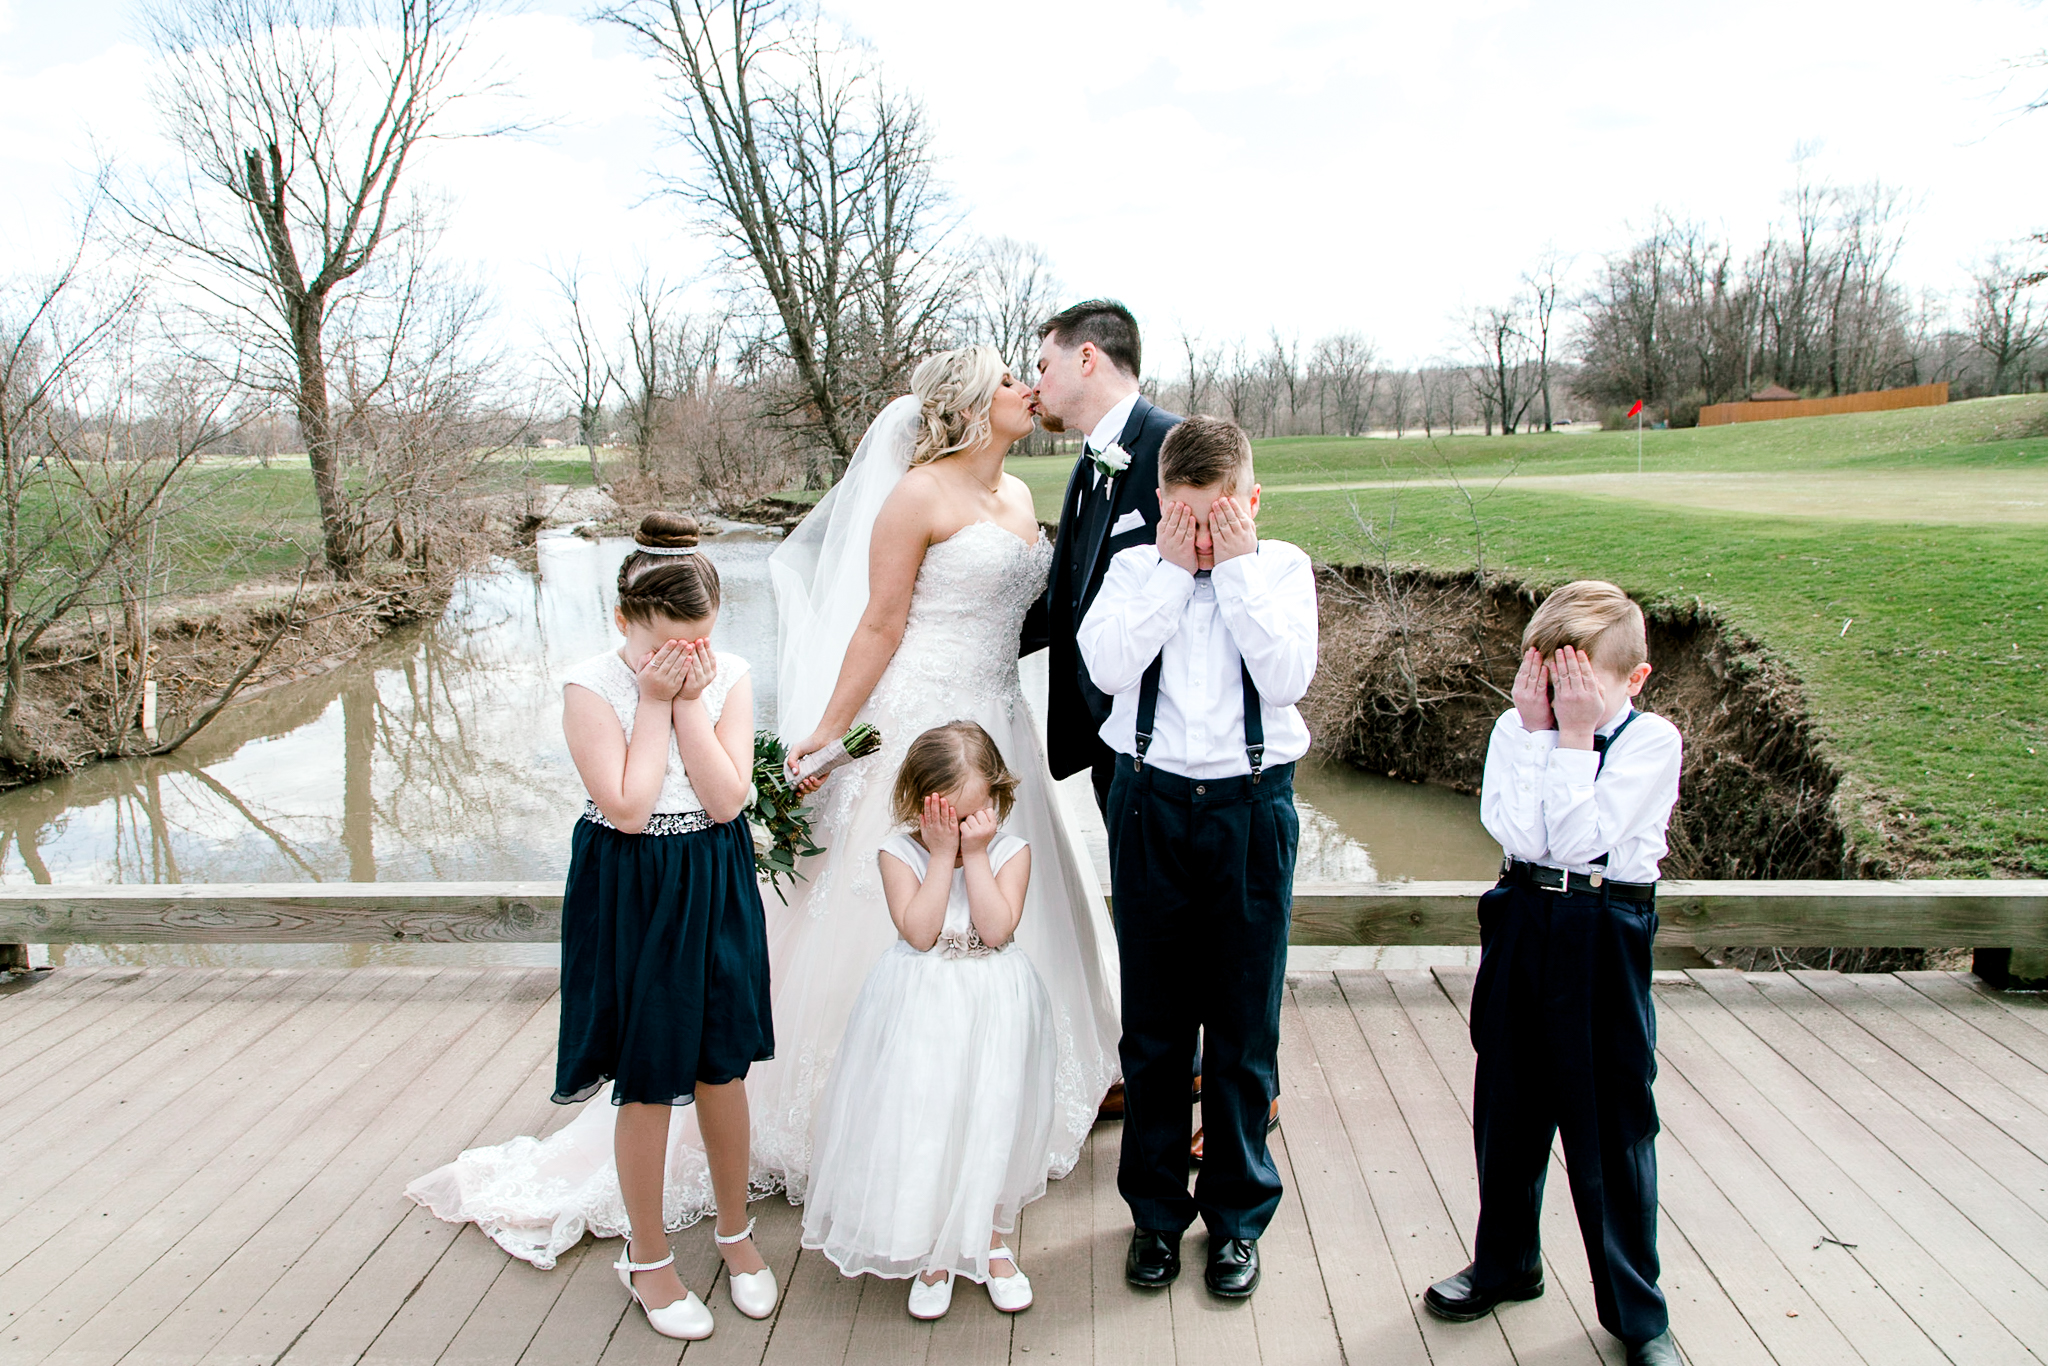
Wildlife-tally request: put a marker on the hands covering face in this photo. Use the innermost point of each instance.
(1562, 693)
(1177, 527)
(948, 835)
(664, 672)
(1229, 527)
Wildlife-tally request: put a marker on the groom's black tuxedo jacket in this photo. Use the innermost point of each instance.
(1075, 707)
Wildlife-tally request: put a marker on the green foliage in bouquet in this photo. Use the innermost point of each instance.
(782, 832)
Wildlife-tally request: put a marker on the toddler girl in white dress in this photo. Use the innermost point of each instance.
(936, 1125)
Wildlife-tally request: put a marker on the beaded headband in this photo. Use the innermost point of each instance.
(639, 549)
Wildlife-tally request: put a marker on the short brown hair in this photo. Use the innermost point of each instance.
(679, 587)
(941, 759)
(1204, 451)
(1594, 616)
(1105, 322)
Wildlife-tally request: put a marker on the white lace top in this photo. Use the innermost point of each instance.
(608, 677)
(957, 937)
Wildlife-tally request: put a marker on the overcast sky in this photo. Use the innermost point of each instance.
(1229, 167)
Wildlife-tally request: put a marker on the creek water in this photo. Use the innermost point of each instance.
(437, 755)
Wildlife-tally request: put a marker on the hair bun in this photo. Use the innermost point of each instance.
(667, 531)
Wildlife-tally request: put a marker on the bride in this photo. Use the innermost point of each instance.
(900, 601)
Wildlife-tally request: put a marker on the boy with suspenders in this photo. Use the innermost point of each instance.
(1204, 641)
(1578, 789)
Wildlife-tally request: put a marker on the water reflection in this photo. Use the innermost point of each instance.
(437, 756)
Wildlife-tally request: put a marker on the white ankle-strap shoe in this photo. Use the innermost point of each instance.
(930, 1300)
(1011, 1294)
(754, 1292)
(686, 1318)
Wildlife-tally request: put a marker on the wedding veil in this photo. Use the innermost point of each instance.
(820, 572)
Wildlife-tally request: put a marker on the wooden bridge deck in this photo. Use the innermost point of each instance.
(207, 1165)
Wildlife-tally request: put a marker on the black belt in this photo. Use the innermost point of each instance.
(1543, 878)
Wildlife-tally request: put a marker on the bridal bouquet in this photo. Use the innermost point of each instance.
(782, 832)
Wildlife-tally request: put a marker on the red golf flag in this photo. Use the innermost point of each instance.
(1633, 411)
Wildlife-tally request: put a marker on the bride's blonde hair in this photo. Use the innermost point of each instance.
(954, 390)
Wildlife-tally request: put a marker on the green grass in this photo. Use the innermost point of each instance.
(1933, 700)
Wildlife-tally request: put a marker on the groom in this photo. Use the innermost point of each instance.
(1088, 367)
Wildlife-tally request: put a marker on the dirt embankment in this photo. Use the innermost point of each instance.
(1417, 664)
(81, 701)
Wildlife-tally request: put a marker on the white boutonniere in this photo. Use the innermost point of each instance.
(1112, 460)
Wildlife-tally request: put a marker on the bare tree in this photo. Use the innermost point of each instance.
(1013, 291)
(1543, 285)
(652, 349)
(818, 181)
(1342, 369)
(1504, 379)
(1283, 376)
(102, 417)
(579, 363)
(298, 121)
(2003, 322)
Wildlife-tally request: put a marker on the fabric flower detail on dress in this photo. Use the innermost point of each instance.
(1112, 460)
(962, 944)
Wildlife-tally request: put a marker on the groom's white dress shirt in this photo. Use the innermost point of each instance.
(1108, 430)
(1259, 609)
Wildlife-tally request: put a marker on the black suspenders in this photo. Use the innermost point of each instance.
(1603, 743)
(1254, 719)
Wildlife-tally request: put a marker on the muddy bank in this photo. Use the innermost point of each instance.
(1417, 664)
(82, 701)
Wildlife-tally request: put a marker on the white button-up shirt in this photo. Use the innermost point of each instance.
(1542, 803)
(1259, 609)
(1108, 430)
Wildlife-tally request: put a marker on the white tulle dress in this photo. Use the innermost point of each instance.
(935, 1126)
(957, 660)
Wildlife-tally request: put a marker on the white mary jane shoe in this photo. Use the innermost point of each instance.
(687, 1318)
(930, 1299)
(1011, 1294)
(753, 1292)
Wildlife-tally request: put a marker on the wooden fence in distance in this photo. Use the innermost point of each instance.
(1882, 400)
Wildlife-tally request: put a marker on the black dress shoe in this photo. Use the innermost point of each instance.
(1457, 1299)
(1658, 1351)
(1154, 1259)
(1233, 1270)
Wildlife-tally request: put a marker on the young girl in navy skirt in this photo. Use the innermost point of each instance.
(664, 946)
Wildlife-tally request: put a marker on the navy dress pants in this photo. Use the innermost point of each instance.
(1202, 877)
(1567, 1035)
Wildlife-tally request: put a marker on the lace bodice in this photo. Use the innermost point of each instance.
(966, 610)
(957, 938)
(608, 677)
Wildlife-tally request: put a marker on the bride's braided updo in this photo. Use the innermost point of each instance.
(954, 389)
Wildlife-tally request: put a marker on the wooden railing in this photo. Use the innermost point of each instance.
(1921, 914)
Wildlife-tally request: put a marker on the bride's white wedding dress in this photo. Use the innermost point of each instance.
(957, 660)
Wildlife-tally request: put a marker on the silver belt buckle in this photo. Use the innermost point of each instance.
(1551, 879)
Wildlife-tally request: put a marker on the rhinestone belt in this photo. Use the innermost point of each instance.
(660, 823)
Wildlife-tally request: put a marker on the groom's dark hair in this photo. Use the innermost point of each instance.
(1105, 322)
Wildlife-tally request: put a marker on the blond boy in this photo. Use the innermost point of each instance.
(1578, 789)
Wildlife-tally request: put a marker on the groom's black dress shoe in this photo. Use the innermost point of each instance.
(1233, 1270)
(1658, 1351)
(1154, 1259)
(1457, 1299)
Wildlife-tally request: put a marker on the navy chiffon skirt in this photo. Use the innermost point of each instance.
(664, 964)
